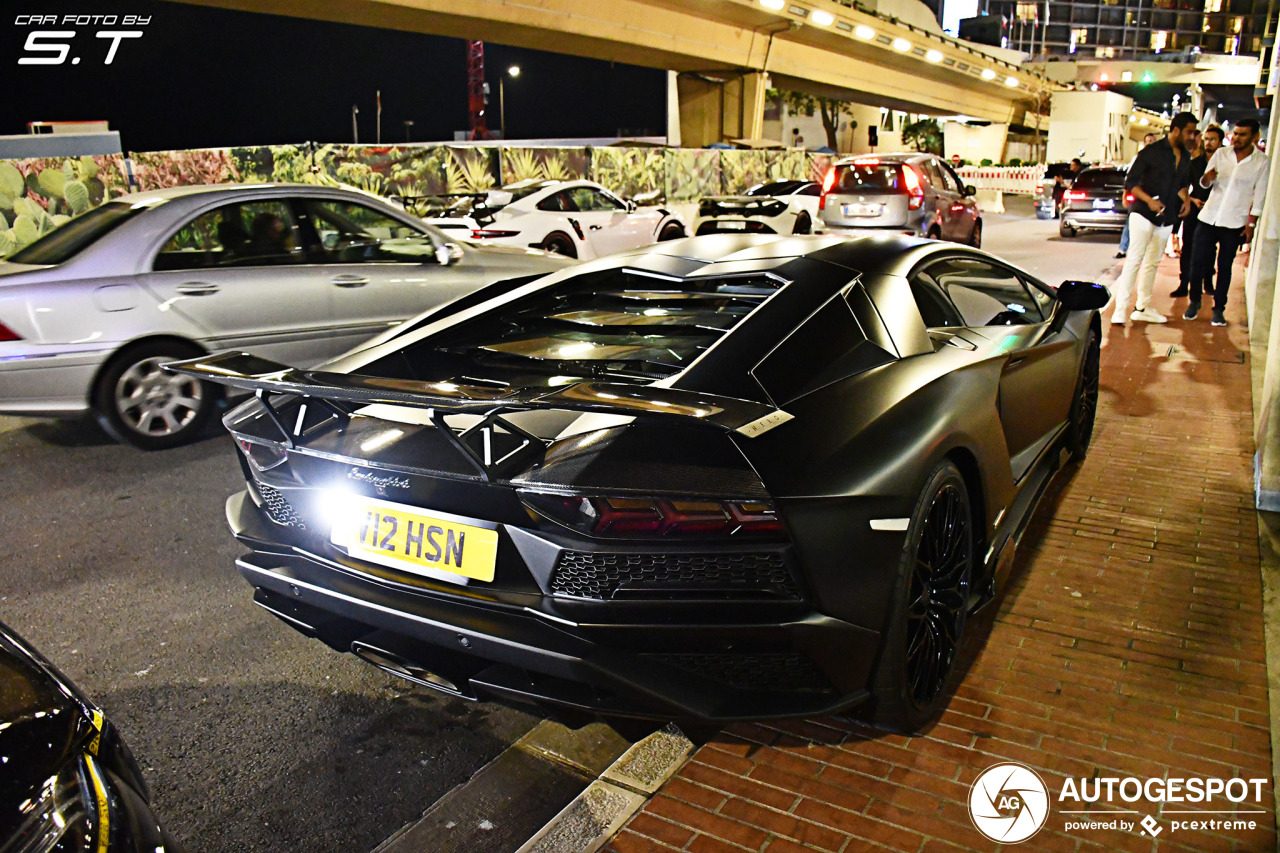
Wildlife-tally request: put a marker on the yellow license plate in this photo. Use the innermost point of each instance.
(405, 538)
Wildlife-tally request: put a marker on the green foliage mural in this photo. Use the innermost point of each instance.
(470, 170)
(691, 173)
(630, 172)
(39, 194)
(543, 164)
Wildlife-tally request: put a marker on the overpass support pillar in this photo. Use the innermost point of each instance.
(715, 108)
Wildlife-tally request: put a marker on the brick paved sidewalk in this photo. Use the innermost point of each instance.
(1129, 642)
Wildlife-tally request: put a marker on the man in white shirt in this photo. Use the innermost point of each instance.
(1237, 178)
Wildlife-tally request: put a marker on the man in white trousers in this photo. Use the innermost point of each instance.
(1158, 180)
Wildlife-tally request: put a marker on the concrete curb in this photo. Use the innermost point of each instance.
(595, 815)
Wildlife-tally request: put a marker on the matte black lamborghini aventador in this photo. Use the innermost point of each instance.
(719, 478)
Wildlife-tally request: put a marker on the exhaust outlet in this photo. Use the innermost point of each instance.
(401, 667)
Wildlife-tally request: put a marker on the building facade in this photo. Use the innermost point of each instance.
(1173, 30)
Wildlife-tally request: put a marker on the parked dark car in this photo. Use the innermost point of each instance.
(68, 782)
(1097, 201)
(915, 194)
(726, 477)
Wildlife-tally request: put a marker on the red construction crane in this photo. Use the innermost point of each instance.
(477, 90)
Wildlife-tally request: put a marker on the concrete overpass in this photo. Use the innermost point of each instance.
(730, 51)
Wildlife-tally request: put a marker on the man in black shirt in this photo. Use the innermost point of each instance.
(1211, 141)
(1158, 181)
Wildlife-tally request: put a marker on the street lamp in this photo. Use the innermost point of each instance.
(408, 125)
(514, 72)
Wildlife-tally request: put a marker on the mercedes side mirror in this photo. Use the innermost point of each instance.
(448, 254)
(970, 190)
(1083, 295)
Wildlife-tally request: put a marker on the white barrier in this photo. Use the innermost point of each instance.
(1020, 180)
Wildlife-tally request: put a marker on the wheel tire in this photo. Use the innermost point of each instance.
(804, 224)
(1084, 405)
(1065, 229)
(670, 231)
(140, 404)
(934, 234)
(559, 243)
(930, 605)
(975, 239)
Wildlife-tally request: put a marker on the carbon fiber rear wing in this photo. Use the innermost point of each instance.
(265, 377)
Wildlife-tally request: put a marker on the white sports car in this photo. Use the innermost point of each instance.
(779, 207)
(579, 219)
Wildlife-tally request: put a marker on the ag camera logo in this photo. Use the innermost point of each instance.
(1008, 803)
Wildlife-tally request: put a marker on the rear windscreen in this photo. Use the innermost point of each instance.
(64, 242)
(860, 177)
(1103, 178)
(614, 324)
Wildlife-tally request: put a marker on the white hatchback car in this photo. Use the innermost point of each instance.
(90, 312)
(578, 219)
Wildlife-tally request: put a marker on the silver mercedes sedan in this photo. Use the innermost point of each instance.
(296, 273)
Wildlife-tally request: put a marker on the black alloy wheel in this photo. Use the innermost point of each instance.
(1084, 405)
(558, 243)
(931, 605)
(670, 231)
(804, 224)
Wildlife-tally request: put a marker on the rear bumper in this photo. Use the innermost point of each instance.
(662, 661)
(37, 384)
(1098, 220)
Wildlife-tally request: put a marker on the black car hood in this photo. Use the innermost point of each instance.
(43, 725)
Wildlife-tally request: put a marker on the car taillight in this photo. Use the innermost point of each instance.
(1128, 198)
(912, 180)
(1074, 196)
(641, 517)
(828, 182)
(483, 233)
(261, 455)
(7, 334)
(1039, 187)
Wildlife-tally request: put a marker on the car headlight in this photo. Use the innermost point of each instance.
(73, 811)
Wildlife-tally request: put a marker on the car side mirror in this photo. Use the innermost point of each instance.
(1083, 295)
(631, 206)
(970, 190)
(448, 254)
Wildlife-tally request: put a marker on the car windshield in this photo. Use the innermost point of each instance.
(65, 242)
(868, 175)
(615, 324)
(1094, 179)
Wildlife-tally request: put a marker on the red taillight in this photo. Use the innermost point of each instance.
(483, 233)
(644, 517)
(7, 334)
(822, 202)
(912, 180)
(1074, 196)
(1128, 199)
(262, 455)
(1039, 187)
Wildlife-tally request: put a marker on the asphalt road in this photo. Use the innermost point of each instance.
(118, 566)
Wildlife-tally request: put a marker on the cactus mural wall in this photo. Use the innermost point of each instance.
(38, 195)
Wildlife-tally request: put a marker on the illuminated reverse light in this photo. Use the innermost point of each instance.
(864, 32)
(934, 56)
(822, 19)
(988, 74)
(901, 45)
